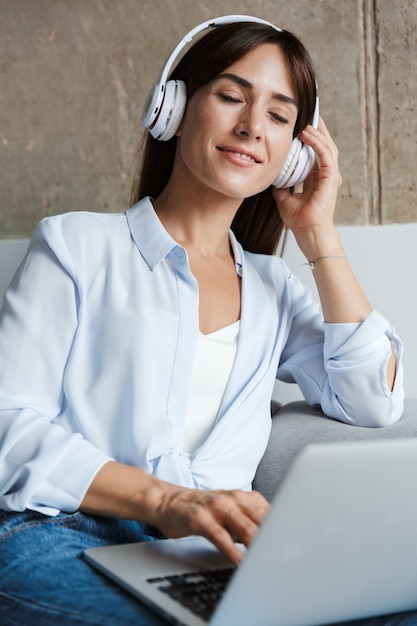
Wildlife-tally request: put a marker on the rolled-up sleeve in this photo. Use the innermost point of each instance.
(342, 367)
(355, 361)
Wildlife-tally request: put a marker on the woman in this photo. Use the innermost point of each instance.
(139, 350)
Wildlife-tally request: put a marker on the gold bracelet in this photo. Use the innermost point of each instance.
(312, 264)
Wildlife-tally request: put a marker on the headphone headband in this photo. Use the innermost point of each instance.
(217, 21)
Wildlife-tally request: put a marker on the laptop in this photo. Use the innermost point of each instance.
(339, 543)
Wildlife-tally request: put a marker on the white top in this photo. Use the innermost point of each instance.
(213, 363)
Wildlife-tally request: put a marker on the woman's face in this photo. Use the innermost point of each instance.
(237, 130)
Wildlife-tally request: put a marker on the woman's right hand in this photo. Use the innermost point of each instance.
(223, 517)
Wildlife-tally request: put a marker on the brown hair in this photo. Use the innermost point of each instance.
(257, 224)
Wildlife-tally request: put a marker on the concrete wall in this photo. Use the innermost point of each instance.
(74, 75)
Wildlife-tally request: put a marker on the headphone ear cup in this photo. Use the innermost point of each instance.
(168, 120)
(304, 166)
(297, 165)
(177, 111)
(151, 104)
(289, 164)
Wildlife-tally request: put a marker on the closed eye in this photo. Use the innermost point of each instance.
(236, 99)
(228, 98)
(278, 118)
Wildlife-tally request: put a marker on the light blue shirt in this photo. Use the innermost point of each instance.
(97, 339)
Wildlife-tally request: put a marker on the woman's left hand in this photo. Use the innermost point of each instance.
(313, 208)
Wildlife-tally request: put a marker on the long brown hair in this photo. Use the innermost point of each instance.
(257, 224)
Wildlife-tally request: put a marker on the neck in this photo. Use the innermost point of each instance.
(197, 220)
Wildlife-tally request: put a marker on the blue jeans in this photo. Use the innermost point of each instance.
(44, 579)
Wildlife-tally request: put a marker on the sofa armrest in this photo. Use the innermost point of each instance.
(296, 424)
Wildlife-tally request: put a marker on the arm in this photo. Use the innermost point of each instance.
(309, 214)
(43, 467)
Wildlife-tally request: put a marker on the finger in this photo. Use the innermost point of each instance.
(227, 537)
(224, 542)
(220, 516)
(242, 515)
(214, 526)
(323, 128)
(320, 139)
(326, 151)
(255, 505)
(280, 195)
(229, 517)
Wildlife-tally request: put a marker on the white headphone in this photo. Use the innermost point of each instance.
(165, 105)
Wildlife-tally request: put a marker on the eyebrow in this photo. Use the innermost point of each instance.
(247, 85)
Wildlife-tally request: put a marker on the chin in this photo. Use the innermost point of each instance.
(240, 191)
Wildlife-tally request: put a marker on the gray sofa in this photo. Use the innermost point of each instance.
(297, 424)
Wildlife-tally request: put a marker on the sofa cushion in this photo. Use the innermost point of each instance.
(296, 424)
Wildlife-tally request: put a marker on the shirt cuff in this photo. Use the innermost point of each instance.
(341, 339)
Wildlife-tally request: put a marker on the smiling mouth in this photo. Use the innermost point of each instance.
(241, 155)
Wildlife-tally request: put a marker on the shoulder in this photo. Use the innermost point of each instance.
(82, 237)
(81, 224)
(78, 231)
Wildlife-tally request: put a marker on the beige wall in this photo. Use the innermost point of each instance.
(74, 75)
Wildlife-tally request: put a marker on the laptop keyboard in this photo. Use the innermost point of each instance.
(199, 592)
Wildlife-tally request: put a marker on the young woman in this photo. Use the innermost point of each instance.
(138, 351)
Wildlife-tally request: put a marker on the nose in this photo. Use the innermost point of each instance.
(251, 123)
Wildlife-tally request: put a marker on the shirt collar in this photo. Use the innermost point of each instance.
(154, 242)
(149, 235)
(237, 252)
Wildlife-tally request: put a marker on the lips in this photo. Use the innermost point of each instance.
(239, 153)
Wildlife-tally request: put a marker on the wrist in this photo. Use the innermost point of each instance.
(318, 243)
(326, 257)
(155, 498)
